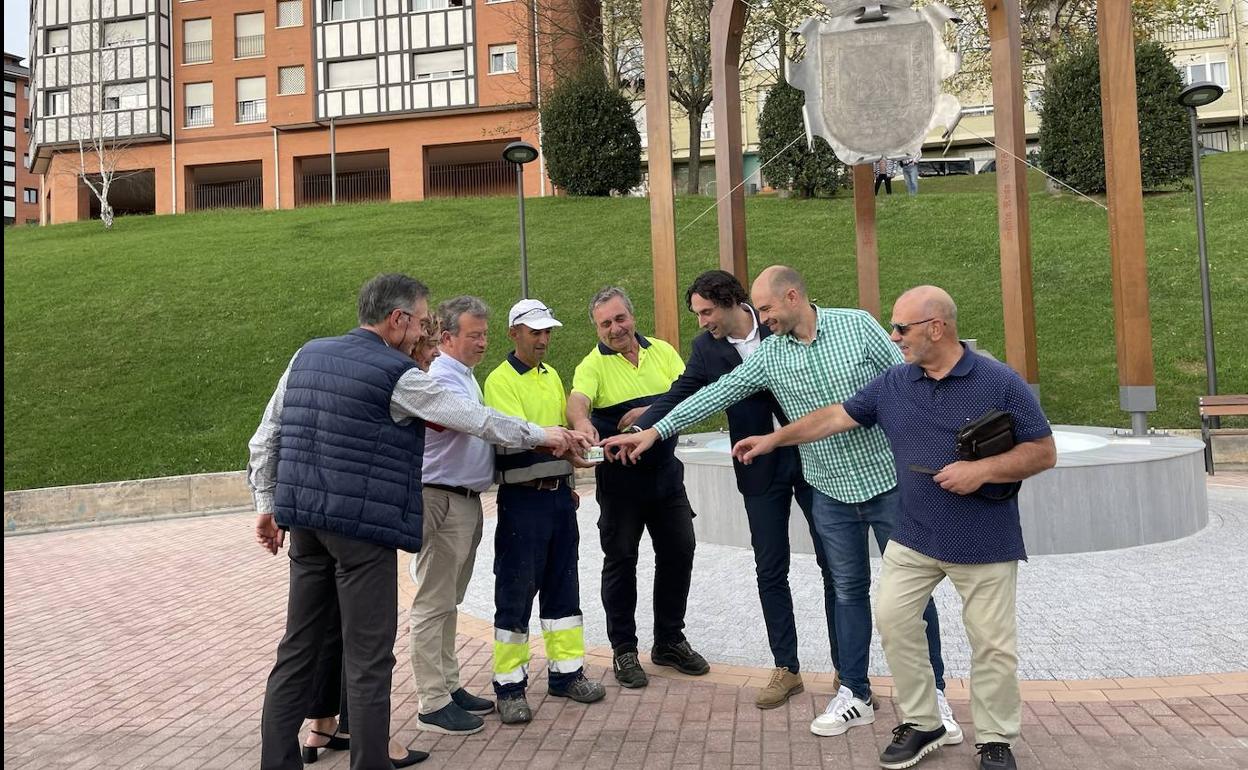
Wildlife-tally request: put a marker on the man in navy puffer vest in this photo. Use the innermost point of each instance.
(337, 461)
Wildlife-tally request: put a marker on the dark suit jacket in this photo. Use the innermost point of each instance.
(709, 360)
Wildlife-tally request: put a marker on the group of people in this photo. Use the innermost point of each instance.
(361, 452)
(886, 168)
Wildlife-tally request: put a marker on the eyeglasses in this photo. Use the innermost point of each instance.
(903, 328)
(426, 324)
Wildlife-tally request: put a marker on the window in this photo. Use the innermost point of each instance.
(351, 9)
(10, 87)
(57, 103)
(1211, 67)
(977, 110)
(639, 117)
(124, 33)
(196, 41)
(57, 40)
(26, 124)
(290, 80)
(25, 90)
(352, 73)
(248, 35)
(439, 66)
(10, 104)
(503, 59)
(708, 123)
(125, 96)
(30, 195)
(436, 5)
(1216, 140)
(251, 104)
(198, 100)
(290, 13)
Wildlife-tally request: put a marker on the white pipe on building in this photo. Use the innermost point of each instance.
(277, 174)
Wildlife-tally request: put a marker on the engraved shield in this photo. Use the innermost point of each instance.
(884, 86)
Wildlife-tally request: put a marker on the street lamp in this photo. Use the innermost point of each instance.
(1191, 97)
(520, 153)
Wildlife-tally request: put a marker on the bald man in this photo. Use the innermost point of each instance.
(814, 357)
(954, 521)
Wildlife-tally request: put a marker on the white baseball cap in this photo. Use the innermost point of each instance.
(533, 314)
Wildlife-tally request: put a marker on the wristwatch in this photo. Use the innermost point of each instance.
(634, 428)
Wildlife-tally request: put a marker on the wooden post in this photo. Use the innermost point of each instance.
(659, 151)
(1137, 391)
(868, 247)
(727, 24)
(1013, 218)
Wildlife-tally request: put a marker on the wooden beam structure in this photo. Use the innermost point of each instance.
(1137, 392)
(659, 152)
(864, 235)
(1013, 218)
(727, 26)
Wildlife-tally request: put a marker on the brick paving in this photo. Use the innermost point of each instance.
(147, 645)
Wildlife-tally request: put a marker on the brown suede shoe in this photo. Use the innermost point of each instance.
(783, 685)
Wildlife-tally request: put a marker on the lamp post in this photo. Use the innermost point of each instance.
(520, 153)
(1191, 97)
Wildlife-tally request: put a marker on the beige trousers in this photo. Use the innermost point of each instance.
(452, 531)
(988, 593)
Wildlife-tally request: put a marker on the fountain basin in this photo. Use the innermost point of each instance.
(1107, 491)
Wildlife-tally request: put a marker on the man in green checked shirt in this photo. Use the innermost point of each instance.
(815, 357)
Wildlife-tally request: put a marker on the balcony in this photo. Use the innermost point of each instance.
(1217, 26)
(251, 111)
(199, 51)
(199, 116)
(249, 46)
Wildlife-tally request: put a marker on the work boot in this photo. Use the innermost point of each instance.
(679, 656)
(580, 690)
(628, 670)
(514, 710)
(783, 685)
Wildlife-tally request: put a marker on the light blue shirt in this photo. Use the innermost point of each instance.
(453, 458)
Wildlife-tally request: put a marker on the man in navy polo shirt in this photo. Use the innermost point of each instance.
(946, 528)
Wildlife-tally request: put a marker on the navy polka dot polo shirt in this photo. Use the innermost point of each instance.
(921, 418)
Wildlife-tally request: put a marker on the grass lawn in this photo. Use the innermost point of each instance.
(151, 350)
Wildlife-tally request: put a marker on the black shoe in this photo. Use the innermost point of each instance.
(679, 656)
(995, 756)
(628, 670)
(336, 743)
(471, 703)
(413, 757)
(910, 745)
(450, 720)
(580, 690)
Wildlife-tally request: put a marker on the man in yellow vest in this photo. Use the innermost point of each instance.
(535, 541)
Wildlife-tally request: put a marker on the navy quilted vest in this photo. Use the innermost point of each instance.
(344, 466)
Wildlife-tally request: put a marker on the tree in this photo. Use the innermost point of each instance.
(591, 142)
(1071, 134)
(789, 162)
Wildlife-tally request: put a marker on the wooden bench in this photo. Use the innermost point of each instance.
(1212, 407)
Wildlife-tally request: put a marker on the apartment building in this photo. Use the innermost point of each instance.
(21, 188)
(280, 103)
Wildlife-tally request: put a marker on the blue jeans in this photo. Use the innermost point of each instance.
(843, 529)
(911, 175)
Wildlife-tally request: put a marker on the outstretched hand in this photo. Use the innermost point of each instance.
(627, 448)
(745, 450)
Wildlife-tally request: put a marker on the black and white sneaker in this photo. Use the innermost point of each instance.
(845, 711)
(995, 756)
(910, 745)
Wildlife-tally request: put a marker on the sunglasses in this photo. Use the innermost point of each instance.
(903, 328)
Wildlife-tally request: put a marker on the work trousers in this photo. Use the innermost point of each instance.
(451, 534)
(362, 576)
(668, 518)
(988, 611)
(535, 555)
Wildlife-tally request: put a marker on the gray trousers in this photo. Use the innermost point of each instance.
(363, 577)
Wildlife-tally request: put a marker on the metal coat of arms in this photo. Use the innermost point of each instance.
(872, 77)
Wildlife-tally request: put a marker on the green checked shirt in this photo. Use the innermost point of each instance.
(849, 350)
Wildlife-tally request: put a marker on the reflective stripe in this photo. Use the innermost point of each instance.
(570, 666)
(510, 637)
(512, 677)
(562, 624)
(565, 643)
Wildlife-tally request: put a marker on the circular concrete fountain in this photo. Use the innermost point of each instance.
(1108, 491)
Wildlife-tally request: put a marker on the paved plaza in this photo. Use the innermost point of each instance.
(147, 645)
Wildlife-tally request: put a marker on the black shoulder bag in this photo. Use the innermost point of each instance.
(990, 435)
